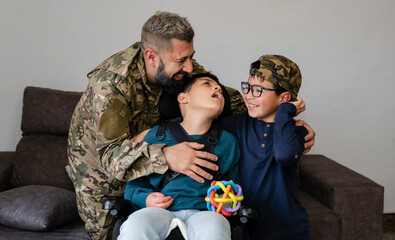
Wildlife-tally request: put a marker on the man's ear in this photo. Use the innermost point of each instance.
(285, 97)
(150, 55)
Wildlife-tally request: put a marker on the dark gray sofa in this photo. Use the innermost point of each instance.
(37, 198)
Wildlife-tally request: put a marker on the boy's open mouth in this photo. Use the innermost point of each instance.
(217, 95)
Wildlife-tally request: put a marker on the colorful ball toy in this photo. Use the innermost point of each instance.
(231, 193)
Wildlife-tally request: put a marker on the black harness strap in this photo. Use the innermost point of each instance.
(160, 134)
(209, 139)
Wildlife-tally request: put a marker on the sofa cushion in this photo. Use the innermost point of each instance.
(74, 230)
(37, 207)
(47, 110)
(324, 222)
(41, 159)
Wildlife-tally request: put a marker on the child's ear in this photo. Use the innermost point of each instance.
(181, 98)
(285, 97)
(150, 56)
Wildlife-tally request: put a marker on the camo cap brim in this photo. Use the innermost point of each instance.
(280, 71)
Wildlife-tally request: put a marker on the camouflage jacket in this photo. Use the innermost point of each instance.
(118, 103)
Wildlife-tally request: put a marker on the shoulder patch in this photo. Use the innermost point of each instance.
(114, 121)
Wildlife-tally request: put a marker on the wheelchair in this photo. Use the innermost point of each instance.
(121, 209)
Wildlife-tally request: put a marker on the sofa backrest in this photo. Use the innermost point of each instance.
(41, 154)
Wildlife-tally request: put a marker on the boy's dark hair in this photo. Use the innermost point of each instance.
(192, 79)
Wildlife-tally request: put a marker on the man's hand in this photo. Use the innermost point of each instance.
(309, 138)
(186, 159)
(157, 199)
(300, 105)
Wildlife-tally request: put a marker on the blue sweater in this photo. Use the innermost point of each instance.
(186, 192)
(268, 175)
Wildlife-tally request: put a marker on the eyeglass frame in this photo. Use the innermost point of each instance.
(251, 87)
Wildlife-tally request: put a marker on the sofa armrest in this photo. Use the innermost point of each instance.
(355, 198)
(6, 159)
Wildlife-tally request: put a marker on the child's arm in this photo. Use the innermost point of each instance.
(300, 106)
(310, 136)
(288, 144)
(137, 191)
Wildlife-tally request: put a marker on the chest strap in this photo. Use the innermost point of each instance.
(179, 135)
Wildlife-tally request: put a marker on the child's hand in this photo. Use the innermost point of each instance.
(300, 105)
(157, 199)
(140, 137)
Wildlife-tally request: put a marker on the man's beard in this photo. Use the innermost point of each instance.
(169, 85)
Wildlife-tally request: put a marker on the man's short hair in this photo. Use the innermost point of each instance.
(162, 27)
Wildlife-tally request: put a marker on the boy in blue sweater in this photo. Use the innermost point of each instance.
(167, 199)
(271, 146)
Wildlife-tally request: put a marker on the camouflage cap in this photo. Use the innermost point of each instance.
(280, 71)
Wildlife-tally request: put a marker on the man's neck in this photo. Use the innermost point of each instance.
(196, 125)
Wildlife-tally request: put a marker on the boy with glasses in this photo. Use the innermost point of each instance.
(271, 146)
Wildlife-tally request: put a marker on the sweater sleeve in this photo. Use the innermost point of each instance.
(228, 152)
(288, 142)
(137, 192)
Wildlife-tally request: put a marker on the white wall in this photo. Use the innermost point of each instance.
(345, 50)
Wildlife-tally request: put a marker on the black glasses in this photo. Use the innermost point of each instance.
(256, 90)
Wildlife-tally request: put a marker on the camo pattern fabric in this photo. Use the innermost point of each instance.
(282, 72)
(118, 103)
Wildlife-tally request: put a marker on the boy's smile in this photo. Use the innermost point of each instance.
(263, 108)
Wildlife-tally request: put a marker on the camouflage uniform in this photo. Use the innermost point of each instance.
(118, 103)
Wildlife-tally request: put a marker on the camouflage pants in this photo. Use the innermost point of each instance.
(99, 223)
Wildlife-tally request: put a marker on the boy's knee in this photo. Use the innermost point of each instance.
(146, 222)
(214, 217)
(149, 215)
(210, 224)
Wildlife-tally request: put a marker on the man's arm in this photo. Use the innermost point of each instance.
(100, 133)
(309, 138)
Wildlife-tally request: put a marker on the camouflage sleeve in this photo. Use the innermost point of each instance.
(129, 160)
(236, 101)
(197, 68)
(119, 156)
